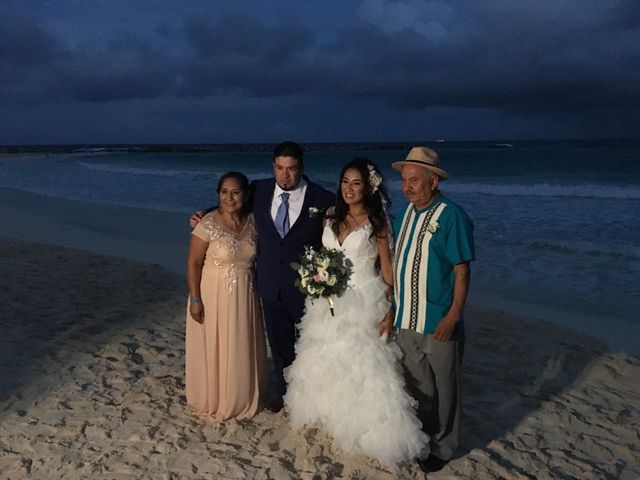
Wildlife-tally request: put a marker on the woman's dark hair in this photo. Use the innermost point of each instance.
(243, 181)
(372, 200)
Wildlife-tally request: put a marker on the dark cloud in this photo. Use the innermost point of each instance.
(520, 57)
(28, 56)
(233, 53)
(236, 32)
(125, 42)
(625, 14)
(129, 67)
(24, 43)
(530, 60)
(202, 79)
(166, 30)
(114, 83)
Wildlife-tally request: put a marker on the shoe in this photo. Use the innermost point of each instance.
(275, 405)
(432, 464)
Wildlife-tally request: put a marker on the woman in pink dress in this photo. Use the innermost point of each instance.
(225, 348)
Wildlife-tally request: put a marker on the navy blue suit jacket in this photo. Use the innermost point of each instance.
(275, 276)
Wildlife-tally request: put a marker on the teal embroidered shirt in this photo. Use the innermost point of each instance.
(429, 243)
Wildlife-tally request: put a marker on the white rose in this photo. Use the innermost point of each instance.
(331, 281)
(433, 227)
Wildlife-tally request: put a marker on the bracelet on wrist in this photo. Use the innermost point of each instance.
(195, 301)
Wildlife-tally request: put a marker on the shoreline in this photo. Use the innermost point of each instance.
(621, 338)
(161, 237)
(148, 236)
(91, 356)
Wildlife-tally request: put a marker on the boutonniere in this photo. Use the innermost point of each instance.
(314, 212)
(433, 227)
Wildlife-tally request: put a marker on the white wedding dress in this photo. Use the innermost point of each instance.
(345, 378)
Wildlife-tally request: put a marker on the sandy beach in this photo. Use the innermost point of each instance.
(92, 373)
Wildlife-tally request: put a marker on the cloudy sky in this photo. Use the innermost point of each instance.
(195, 71)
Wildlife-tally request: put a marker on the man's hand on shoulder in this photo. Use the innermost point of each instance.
(195, 218)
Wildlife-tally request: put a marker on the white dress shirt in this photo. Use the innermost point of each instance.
(296, 199)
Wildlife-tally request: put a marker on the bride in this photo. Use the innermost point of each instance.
(346, 378)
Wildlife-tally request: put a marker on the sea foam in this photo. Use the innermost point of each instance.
(572, 247)
(106, 167)
(583, 190)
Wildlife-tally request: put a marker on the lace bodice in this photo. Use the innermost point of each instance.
(228, 247)
(359, 247)
(230, 251)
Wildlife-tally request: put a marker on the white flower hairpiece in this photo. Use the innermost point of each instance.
(375, 180)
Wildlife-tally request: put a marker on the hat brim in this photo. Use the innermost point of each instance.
(438, 171)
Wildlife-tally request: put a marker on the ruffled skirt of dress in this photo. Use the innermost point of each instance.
(348, 381)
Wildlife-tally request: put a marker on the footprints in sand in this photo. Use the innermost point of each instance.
(91, 386)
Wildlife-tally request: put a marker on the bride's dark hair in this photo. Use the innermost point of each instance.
(373, 197)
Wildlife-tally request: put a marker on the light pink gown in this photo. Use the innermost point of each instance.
(226, 355)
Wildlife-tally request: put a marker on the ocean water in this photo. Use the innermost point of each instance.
(556, 223)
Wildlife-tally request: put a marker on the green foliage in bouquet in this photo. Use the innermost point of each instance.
(323, 272)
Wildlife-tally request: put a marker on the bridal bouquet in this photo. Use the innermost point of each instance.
(323, 273)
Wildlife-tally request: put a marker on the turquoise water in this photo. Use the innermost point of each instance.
(556, 223)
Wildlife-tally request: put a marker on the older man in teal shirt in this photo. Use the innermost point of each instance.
(434, 245)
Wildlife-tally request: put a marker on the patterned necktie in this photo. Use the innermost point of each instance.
(282, 215)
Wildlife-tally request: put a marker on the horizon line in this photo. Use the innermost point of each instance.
(322, 142)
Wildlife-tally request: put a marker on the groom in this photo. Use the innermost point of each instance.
(283, 209)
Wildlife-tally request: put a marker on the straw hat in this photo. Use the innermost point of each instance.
(423, 157)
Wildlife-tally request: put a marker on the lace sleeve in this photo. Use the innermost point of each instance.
(201, 230)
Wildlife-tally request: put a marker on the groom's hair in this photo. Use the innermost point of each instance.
(289, 149)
